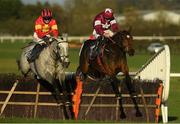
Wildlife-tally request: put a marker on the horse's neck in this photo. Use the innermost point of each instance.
(49, 50)
(112, 47)
(113, 51)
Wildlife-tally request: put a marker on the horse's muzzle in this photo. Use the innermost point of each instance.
(131, 52)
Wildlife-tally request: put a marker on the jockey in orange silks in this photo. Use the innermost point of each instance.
(45, 26)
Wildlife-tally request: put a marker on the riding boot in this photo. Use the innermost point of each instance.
(35, 52)
(93, 51)
(96, 50)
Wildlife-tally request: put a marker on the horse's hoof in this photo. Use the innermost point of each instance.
(134, 95)
(118, 96)
(138, 114)
(68, 103)
(60, 104)
(122, 116)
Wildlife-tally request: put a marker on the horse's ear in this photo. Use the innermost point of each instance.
(130, 29)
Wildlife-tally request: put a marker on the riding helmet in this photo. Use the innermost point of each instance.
(108, 13)
(46, 14)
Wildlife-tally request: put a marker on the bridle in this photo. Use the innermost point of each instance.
(123, 36)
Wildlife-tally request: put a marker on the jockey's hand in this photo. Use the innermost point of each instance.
(106, 35)
(46, 38)
(42, 42)
(48, 35)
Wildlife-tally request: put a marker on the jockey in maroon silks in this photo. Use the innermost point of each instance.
(104, 26)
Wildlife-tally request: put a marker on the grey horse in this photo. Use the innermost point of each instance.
(49, 66)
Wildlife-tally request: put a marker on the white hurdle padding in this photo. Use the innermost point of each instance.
(158, 67)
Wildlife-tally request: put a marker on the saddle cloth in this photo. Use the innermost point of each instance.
(35, 52)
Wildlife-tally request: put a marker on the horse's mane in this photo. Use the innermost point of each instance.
(118, 36)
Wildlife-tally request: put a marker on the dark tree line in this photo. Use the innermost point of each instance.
(75, 16)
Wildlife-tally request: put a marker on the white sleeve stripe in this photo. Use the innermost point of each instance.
(113, 22)
(97, 23)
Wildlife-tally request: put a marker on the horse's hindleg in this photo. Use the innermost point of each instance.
(116, 89)
(57, 93)
(23, 65)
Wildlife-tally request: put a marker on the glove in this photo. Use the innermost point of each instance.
(46, 38)
(42, 42)
(108, 33)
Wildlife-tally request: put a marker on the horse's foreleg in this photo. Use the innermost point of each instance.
(57, 95)
(116, 89)
(66, 96)
(83, 72)
(128, 81)
(130, 86)
(138, 113)
(83, 67)
(133, 93)
(64, 88)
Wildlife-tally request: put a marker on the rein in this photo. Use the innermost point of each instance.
(111, 40)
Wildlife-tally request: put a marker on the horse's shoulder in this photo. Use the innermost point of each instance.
(88, 41)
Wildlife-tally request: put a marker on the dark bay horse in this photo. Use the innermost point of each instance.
(111, 60)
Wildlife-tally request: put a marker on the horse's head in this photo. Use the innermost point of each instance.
(61, 49)
(124, 39)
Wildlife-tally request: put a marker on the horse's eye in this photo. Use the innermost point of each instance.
(127, 36)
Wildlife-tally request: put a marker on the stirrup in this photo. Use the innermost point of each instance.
(81, 76)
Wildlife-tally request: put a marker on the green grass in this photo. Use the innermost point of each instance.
(9, 52)
(42, 120)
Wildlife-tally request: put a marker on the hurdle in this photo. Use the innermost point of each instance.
(158, 67)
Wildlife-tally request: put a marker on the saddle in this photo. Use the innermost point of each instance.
(97, 49)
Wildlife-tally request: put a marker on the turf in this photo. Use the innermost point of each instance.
(9, 52)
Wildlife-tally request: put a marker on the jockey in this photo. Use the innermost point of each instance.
(104, 25)
(45, 26)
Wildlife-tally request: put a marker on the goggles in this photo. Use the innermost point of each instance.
(47, 18)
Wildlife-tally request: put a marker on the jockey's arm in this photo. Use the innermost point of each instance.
(41, 34)
(54, 29)
(114, 25)
(54, 33)
(98, 27)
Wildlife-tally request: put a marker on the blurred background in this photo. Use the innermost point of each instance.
(154, 17)
(154, 23)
